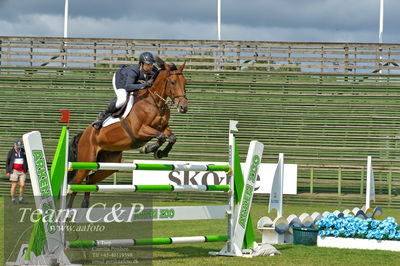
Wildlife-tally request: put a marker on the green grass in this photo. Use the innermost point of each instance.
(197, 254)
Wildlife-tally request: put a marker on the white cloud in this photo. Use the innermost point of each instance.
(33, 25)
(286, 34)
(147, 29)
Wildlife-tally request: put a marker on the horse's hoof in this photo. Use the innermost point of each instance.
(143, 149)
(85, 204)
(160, 154)
(157, 154)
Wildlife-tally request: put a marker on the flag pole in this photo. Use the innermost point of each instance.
(380, 35)
(381, 21)
(219, 19)
(66, 19)
(64, 64)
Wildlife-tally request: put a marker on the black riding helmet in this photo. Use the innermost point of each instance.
(147, 58)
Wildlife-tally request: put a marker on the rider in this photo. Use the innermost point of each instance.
(128, 79)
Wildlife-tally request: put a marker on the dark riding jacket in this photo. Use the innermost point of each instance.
(127, 77)
(11, 158)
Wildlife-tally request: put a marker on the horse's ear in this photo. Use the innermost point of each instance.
(166, 66)
(182, 67)
(159, 62)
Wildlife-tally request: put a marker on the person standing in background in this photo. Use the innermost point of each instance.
(16, 169)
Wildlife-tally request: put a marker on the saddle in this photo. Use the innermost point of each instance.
(121, 110)
(121, 113)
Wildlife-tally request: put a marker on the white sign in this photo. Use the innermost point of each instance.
(263, 184)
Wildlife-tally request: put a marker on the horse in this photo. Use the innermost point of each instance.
(148, 119)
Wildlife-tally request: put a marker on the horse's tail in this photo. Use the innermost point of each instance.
(73, 154)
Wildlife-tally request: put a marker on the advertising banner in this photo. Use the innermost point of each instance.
(263, 184)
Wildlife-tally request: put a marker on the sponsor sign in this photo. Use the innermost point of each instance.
(263, 183)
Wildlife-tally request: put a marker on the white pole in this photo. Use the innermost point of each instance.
(65, 29)
(381, 21)
(218, 60)
(370, 190)
(282, 161)
(219, 19)
(276, 196)
(66, 19)
(380, 35)
(231, 182)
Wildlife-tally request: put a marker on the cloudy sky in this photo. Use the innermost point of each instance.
(258, 20)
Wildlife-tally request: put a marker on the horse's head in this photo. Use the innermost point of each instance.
(176, 83)
(170, 83)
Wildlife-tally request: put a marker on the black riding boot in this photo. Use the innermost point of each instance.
(104, 114)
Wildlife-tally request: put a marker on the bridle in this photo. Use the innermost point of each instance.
(166, 105)
(169, 85)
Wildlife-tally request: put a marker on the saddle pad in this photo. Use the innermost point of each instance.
(112, 120)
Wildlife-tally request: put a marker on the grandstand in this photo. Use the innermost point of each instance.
(327, 106)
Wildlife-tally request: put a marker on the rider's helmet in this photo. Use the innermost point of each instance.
(147, 58)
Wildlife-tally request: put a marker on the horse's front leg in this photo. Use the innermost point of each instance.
(147, 131)
(171, 139)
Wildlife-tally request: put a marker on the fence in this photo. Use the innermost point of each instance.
(326, 115)
(204, 55)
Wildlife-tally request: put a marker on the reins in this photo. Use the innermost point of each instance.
(166, 104)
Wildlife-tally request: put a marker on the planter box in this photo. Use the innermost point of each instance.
(358, 243)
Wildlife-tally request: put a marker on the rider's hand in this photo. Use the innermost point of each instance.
(148, 83)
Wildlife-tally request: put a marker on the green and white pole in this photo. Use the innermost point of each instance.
(146, 241)
(143, 166)
(147, 188)
(240, 230)
(231, 181)
(242, 217)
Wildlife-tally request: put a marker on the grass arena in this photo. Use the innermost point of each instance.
(326, 123)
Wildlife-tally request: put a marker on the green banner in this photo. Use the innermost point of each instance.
(249, 239)
(58, 164)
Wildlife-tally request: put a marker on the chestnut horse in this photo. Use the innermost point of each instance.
(148, 119)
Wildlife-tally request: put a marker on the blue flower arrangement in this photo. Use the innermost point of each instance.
(350, 226)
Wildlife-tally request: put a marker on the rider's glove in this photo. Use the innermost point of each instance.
(148, 83)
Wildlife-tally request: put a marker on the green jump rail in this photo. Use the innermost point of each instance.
(142, 166)
(146, 241)
(146, 188)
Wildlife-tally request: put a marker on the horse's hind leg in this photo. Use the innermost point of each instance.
(93, 179)
(80, 175)
(114, 157)
(70, 199)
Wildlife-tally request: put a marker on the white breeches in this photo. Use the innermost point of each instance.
(121, 95)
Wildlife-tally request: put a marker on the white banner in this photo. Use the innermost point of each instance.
(370, 191)
(263, 184)
(275, 201)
